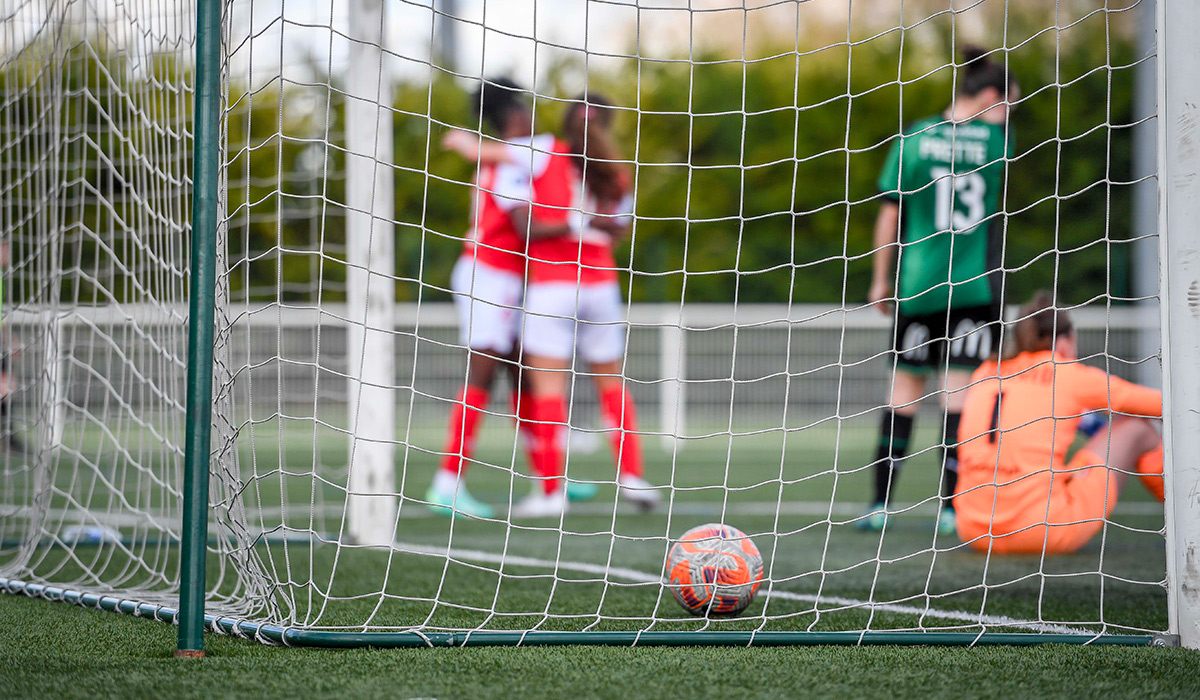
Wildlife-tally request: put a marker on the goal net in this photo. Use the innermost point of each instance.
(753, 136)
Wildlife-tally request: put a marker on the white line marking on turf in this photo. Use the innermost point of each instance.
(818, 509)
(645, 577)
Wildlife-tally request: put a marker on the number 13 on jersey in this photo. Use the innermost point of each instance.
(960, 200)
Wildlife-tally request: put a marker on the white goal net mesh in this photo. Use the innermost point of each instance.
(95, 204)
(753, 136)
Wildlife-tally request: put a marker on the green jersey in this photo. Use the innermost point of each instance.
(947, 179)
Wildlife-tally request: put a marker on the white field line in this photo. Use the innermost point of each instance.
(818, 509)
(599, 507)
(645, 577)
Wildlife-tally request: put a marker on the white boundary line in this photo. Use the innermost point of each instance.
(600, 507)
(645, 577)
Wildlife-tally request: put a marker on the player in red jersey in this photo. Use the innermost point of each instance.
(573, 303)
(524, 197)
(577, 303)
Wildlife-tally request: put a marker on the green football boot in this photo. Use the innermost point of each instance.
(463, 506)
(874, 519)
(581, 491)
(946, 524)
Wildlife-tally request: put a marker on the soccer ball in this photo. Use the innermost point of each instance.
(714, 570)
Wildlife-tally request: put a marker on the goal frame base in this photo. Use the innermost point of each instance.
(295, 637)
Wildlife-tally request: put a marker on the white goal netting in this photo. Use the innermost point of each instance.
(753, 136)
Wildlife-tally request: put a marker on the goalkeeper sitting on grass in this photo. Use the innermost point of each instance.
(1017, 491)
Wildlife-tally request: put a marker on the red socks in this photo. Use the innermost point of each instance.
(464, 423)
(1150, 471)
(549, 416)
(620, 416)
(541, 421)
(522, 410)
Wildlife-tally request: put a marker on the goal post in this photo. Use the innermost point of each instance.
(202, 303)
(1179, 202)
(370, 285)
(236, 354)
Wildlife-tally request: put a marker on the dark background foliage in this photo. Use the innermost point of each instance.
(741, 195)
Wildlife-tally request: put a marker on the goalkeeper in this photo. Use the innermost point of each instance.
(937, 234)
(1017, 491)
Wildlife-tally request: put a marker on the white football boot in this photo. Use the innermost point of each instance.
(540, 505)
(639, 492)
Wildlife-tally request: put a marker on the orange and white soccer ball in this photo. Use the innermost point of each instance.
(714, 570)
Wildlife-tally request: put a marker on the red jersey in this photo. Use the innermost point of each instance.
(584, 256)
(542, 179)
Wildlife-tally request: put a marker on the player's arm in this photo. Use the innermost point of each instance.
(887, 230)
(883, 261)
(618, 222)
(1101, 391)
(471, 147)
(533, 228)
(513, 193)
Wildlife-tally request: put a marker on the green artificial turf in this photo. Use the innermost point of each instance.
(600, 568)
(51, 650)
(599, 571)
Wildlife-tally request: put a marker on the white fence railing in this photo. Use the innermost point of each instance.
(695, 370)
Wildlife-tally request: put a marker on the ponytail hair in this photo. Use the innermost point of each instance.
(980, 72)
(586, 129)
(1040, 324)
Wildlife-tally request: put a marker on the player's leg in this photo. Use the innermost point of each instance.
(1150, 471)
(1132, 446)
(548, 418)
(914, 351)
(549, 344)
(521, 402)
(955, 385)
(447, 493)
(974, 336)
(486, 300)
(602, 343)
(1084, 493)
(522, 408)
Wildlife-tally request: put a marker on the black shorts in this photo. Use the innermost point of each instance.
(958, 339)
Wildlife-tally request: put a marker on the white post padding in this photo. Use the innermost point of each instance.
(56, 382)
(370, 283)
(672, 398)
(1179, 212)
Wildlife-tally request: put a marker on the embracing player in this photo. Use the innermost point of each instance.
(941, 184)
(526, 196)
(573, 305)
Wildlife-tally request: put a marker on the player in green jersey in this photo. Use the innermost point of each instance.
(941, 218)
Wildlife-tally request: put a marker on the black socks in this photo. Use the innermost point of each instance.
(895, 432)
(950, 457)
